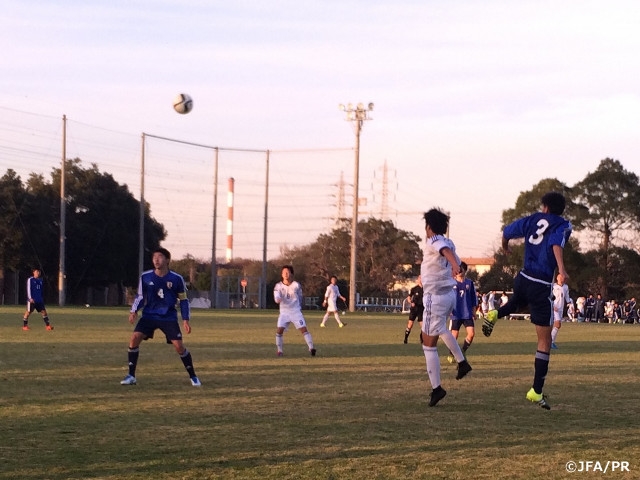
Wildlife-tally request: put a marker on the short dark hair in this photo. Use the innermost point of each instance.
(164, 252)
(288, 267)
(463, 267)
(332, 277)
(555, 201)
(437, 220)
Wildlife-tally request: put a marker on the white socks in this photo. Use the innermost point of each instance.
(433, 365)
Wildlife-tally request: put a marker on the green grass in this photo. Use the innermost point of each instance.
(356, 411)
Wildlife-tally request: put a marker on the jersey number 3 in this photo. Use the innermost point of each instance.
(538, 236)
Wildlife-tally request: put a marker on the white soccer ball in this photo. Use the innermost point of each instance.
(183, 103)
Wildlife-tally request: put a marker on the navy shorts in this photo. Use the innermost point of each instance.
(170, 328)
(537, 295)
(416, 313)
(38, 306)
(467, 322)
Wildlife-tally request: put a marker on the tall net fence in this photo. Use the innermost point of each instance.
(301, 189)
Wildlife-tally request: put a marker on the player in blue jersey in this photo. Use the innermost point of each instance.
(465, 310)
(545, 234)
(35, 300)
(159, 290)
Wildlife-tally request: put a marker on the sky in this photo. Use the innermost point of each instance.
(475, 102)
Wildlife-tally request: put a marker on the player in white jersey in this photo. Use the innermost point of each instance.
(288, 294)
(330, 301)
(560, 298)
(439, 264)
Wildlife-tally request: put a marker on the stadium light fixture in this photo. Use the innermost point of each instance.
(357, 115)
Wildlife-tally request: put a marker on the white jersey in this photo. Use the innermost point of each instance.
(560, 297)
(435, 270)
(288, 296)
(491, 301)
(331, 296)
(290, 299)
(485, 303)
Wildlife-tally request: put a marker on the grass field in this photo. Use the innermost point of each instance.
(356, 411)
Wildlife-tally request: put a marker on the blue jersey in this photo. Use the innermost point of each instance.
(158, 296)
(466, 300)
(541, 231)
(34, 290)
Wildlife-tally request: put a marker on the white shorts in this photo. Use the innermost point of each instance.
(557, 312)
(437, 309)
(331, 306)
(285, 318)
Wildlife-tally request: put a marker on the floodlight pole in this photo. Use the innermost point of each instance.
(141, 219)
(357, 115)
(63, 219)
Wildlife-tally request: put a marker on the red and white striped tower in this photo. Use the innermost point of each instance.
(230, 220)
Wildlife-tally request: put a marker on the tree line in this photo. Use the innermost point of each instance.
(102, 238)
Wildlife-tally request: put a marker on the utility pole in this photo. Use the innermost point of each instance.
(357, 115)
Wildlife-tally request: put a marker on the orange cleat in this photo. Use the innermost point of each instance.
(49, 327)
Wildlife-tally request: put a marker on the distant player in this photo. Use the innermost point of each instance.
(288, 294)
(439, 263)
(464, 311)
(560, 298)
(545, 235)
(35, 300)
(416, 309)
(330, 301)
(159, 290)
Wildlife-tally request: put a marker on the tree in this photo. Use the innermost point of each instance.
(384, 251)
(610, 200)
(12, 201)
(529, 202)
(101, 227)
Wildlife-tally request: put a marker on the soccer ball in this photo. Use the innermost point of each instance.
(183, 103)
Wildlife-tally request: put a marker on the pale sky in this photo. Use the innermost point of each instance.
(475, 101)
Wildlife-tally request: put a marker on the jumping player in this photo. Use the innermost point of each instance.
(288, 294)
(158, 292)
(439, 263)
(417, 308)
(35, 300)
(545, 235)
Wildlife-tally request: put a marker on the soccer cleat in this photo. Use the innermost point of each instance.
(554, 346)
(538, 398)
(322, 325)
(437, 394)
(450, 358)
(342, 325)
(195, 382)
(312, 352)
(406, 339)
(463, 369)
(49, 327)
(279, 354)
(128, 380)
(489, 322)
(26, 327)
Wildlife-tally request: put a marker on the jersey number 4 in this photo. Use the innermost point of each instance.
(538, 236)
